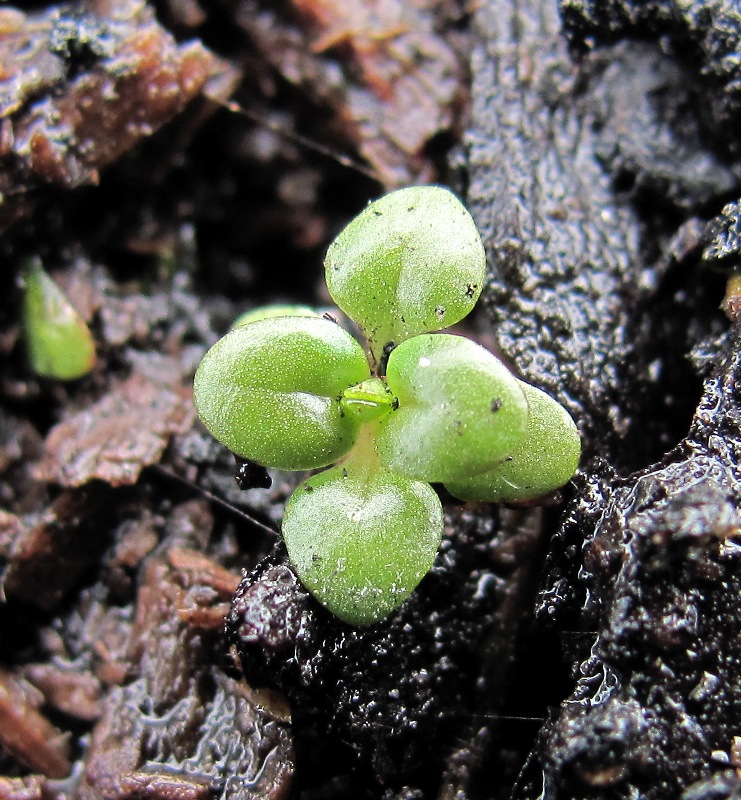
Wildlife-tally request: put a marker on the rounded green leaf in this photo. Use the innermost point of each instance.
(361, 541)
(410, 262)
(546, 458)
(270, 391)
(58, 341)
(460, 410)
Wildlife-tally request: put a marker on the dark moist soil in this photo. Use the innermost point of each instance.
(175, 164)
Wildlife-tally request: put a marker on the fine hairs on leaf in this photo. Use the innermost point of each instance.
(289, 389)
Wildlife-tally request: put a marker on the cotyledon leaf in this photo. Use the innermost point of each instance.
(361, 539)
(545, 459)
(270, 390)
(460, 410)
(411, 262)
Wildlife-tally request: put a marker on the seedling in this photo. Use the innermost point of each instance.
(58, 342)
(296, 391)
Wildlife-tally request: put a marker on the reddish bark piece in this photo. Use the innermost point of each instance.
(198, 614)
(114, 439)
(405, 82)
(77, 90)
(182, 730)
(72, 692)
(10, 527)
(162, 786)
(26, 733)
(201, 569)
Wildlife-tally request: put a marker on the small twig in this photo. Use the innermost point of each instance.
(298, 138)
(215, 499)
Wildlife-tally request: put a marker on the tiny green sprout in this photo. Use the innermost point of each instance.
(368, 401)
(292, 390)
(58, 342)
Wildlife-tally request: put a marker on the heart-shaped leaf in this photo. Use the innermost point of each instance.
(410, 262)
(546, 458)
(270, 390)
(361, 539)
(460, 410)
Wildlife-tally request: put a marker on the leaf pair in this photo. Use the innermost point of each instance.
(293, 392)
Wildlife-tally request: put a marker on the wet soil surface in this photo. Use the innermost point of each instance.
(175, 164)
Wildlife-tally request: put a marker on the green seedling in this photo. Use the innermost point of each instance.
(292, 390)
(58, 342)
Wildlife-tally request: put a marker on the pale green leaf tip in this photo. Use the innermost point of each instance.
(58, 341)
(271, 312)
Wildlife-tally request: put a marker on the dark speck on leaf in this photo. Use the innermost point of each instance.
(471, 289)
(496, 404)
(326, 315)
(344, 472)
(309, 487)
(440, 312)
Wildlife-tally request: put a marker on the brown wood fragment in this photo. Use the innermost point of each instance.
(51, 550)
(405, 84)
(72, 692)
(162, 786)
(79, 89)
(205, 617)
(182, 730)
(201, 569)
(10, 527)
(114, 439)
(731, 304)
(26, 733)
(208, 588)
